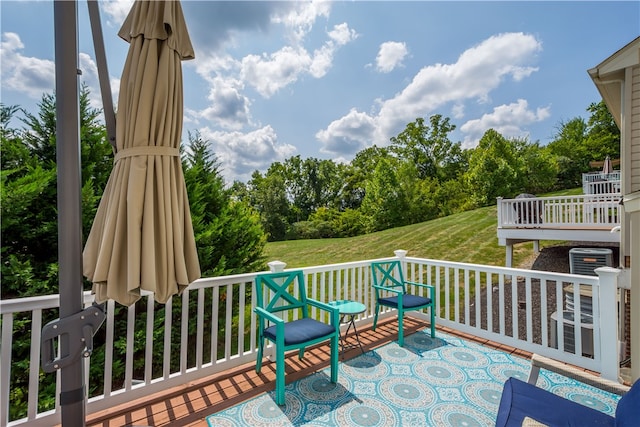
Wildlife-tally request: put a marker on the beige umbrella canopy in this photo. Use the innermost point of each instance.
(142, 236)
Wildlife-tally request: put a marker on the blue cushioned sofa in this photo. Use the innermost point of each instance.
(524, 401)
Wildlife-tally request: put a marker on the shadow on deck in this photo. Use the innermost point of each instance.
(190, 404)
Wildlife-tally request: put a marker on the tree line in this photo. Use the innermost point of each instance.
(421, 175)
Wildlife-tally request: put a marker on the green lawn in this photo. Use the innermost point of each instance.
(465, 237)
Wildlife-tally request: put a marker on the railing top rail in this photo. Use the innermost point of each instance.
(224, 280)
(53, 301)
(250, 277)
(613, 197)
(599, 173)
(564, 277)
(42, 302)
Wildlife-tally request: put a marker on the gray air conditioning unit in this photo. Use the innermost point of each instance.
(586, 260)
(568, 332)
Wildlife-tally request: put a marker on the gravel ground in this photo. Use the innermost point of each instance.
(552, 258)
(556, 258)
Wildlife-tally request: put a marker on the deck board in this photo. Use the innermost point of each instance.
(191, 403)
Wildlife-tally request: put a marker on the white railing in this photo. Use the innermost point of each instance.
(596, 211)
(212, 328)
(601, 183)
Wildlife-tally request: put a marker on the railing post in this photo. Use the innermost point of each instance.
(401, 254)
(499, 210)
(608, 302)
(276, 266)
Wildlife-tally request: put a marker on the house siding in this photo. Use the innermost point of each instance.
(635, 131)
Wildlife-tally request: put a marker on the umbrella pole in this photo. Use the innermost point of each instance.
(103, 73)
(72, 378)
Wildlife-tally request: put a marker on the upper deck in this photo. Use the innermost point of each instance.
(600, 182)
(582, 218)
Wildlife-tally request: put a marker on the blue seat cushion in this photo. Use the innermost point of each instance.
(628, 409)
(300, 331)
(521, 399)
(408, 301)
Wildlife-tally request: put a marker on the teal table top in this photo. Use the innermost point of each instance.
(348, 307)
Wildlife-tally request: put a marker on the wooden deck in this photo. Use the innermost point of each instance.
(191, 403)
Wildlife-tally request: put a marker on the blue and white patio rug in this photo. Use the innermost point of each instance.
(443, 381)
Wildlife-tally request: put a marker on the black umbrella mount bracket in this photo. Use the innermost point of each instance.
(78, 329)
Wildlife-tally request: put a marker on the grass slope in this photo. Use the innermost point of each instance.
(465, 237)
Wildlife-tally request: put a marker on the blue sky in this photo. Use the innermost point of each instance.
(327, 79)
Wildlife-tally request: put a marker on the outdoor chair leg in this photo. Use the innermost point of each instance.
(433, 322)
(375, 317)
(400, 327)
(259, 359)
(280, 383)
(335, 349)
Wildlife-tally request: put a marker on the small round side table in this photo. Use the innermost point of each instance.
(349, 310)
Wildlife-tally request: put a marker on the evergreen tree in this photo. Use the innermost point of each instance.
(29, 193)
(228, 233)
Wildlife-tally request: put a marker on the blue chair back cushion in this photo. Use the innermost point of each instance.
(521, 399)
(628, 409)
(408, 301)
(301, 330)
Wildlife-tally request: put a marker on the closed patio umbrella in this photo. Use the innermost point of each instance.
(607, 167)
(142, 236)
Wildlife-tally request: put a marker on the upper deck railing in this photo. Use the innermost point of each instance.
(601, 183)
(211, 328)
(587, 211)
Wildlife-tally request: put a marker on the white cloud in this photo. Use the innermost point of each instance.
(115, 11)
(90, 78)
(458, 111)
(509, 120)
(302, 16)
(28, 75)
(323, 58)
(390, 56)
(270, 73)
(342, 34)
(243, 153)
(115, 90)
(478, 71)
(348, 134)
(35, 77)
(228, 108)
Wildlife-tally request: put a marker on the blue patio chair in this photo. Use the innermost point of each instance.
(391, 291)
(523, 403)
(286, 309)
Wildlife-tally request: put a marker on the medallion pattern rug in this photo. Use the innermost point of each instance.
(442, 381)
